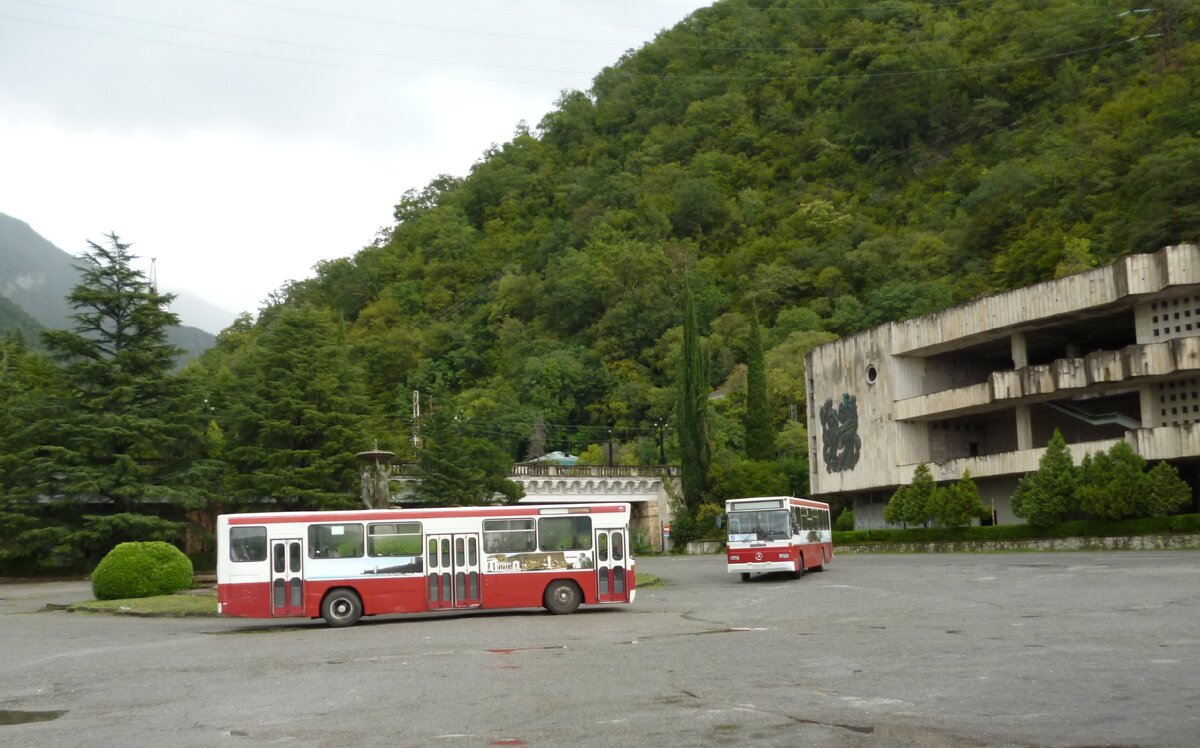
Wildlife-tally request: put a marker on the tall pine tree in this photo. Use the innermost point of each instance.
(296, 428)
(134, 426)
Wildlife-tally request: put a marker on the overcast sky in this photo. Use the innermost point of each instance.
(239, 142)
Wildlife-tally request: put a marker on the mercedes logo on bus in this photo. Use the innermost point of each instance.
(758, 556)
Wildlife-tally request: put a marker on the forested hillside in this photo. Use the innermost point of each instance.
(834, 164)
(818, 165)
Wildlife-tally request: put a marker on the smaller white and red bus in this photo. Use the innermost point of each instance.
(341, 565)
(777, 533)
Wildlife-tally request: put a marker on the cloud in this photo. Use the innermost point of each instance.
(240, 142)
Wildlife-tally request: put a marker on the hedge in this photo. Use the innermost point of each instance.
(1084, 528)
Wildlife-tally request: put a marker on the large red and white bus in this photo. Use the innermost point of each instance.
(341, 565)
(777, 533)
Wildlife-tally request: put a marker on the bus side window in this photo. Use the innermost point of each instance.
(335, 541)
(508, 536)
(247, 544)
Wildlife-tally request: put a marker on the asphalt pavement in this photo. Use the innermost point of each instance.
(1011, 649)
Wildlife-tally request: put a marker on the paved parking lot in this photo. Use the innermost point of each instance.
(1020, 649)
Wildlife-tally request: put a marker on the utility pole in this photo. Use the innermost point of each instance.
(662, 453)
(416, 419)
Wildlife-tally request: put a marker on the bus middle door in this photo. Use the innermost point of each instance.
(287, 577)
(452, 571)
(611, 566)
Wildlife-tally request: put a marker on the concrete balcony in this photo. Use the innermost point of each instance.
(1010, 463)
(1098, 371)
(955, 402)
(1167, 442)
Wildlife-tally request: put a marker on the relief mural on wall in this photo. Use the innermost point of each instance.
(839, 427)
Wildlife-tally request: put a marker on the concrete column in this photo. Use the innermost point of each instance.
(1020, 354)
(1149, 404)
(1024, 428)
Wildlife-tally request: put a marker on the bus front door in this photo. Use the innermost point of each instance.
(452, 576)
(612, 563)
(287, 577)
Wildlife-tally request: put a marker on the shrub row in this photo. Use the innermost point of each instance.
(1084, 528)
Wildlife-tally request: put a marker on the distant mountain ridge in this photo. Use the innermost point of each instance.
(36, 277)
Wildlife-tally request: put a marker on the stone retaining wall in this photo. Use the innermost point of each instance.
(1133, 543)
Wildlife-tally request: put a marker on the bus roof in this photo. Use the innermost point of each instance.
(366, 515)
(762, 502)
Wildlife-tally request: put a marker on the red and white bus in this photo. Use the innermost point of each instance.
(777, 533)
(341, 565)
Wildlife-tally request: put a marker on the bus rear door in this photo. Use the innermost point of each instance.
(287, 577)
(452, 575)
(612, 566)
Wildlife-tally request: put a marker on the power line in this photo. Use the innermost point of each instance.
(243, 37)
(510, 14)
(283, 42)
(278, 58)
(419, 26)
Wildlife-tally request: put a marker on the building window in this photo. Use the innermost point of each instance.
(1166, 317)
(872, 374)
(1179, 402)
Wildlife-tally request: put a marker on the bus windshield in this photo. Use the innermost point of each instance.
(768, 525)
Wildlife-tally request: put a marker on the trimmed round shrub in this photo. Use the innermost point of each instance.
(141, 570)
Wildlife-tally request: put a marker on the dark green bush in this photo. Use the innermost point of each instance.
(141, 570)
(845, 521)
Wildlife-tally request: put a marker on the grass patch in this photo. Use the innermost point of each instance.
(648, 581)
(199, 603)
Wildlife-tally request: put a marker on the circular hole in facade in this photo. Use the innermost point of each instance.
(872, 374)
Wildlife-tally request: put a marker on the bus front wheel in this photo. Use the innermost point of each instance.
(562, 597)
(341, 607)
(799, 570)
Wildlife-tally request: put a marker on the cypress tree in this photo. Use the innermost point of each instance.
(760, 436)
(695, 450)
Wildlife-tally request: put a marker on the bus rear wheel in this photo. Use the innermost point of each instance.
(820, 566)
(341, 607)
(562, 597)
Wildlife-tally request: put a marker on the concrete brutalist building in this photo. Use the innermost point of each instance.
(1103, 355)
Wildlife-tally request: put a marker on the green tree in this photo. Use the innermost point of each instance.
(912, 504)
(1113, 484)
(1045, 496)
(692, 410)
(895, 510)
(760, 432)
(956, 505)
(844, 521)
(135, 425)
(455, 469)
(746, 478)
(1166, 491)
(299, 418)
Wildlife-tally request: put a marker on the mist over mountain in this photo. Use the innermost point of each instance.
(36, 277)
